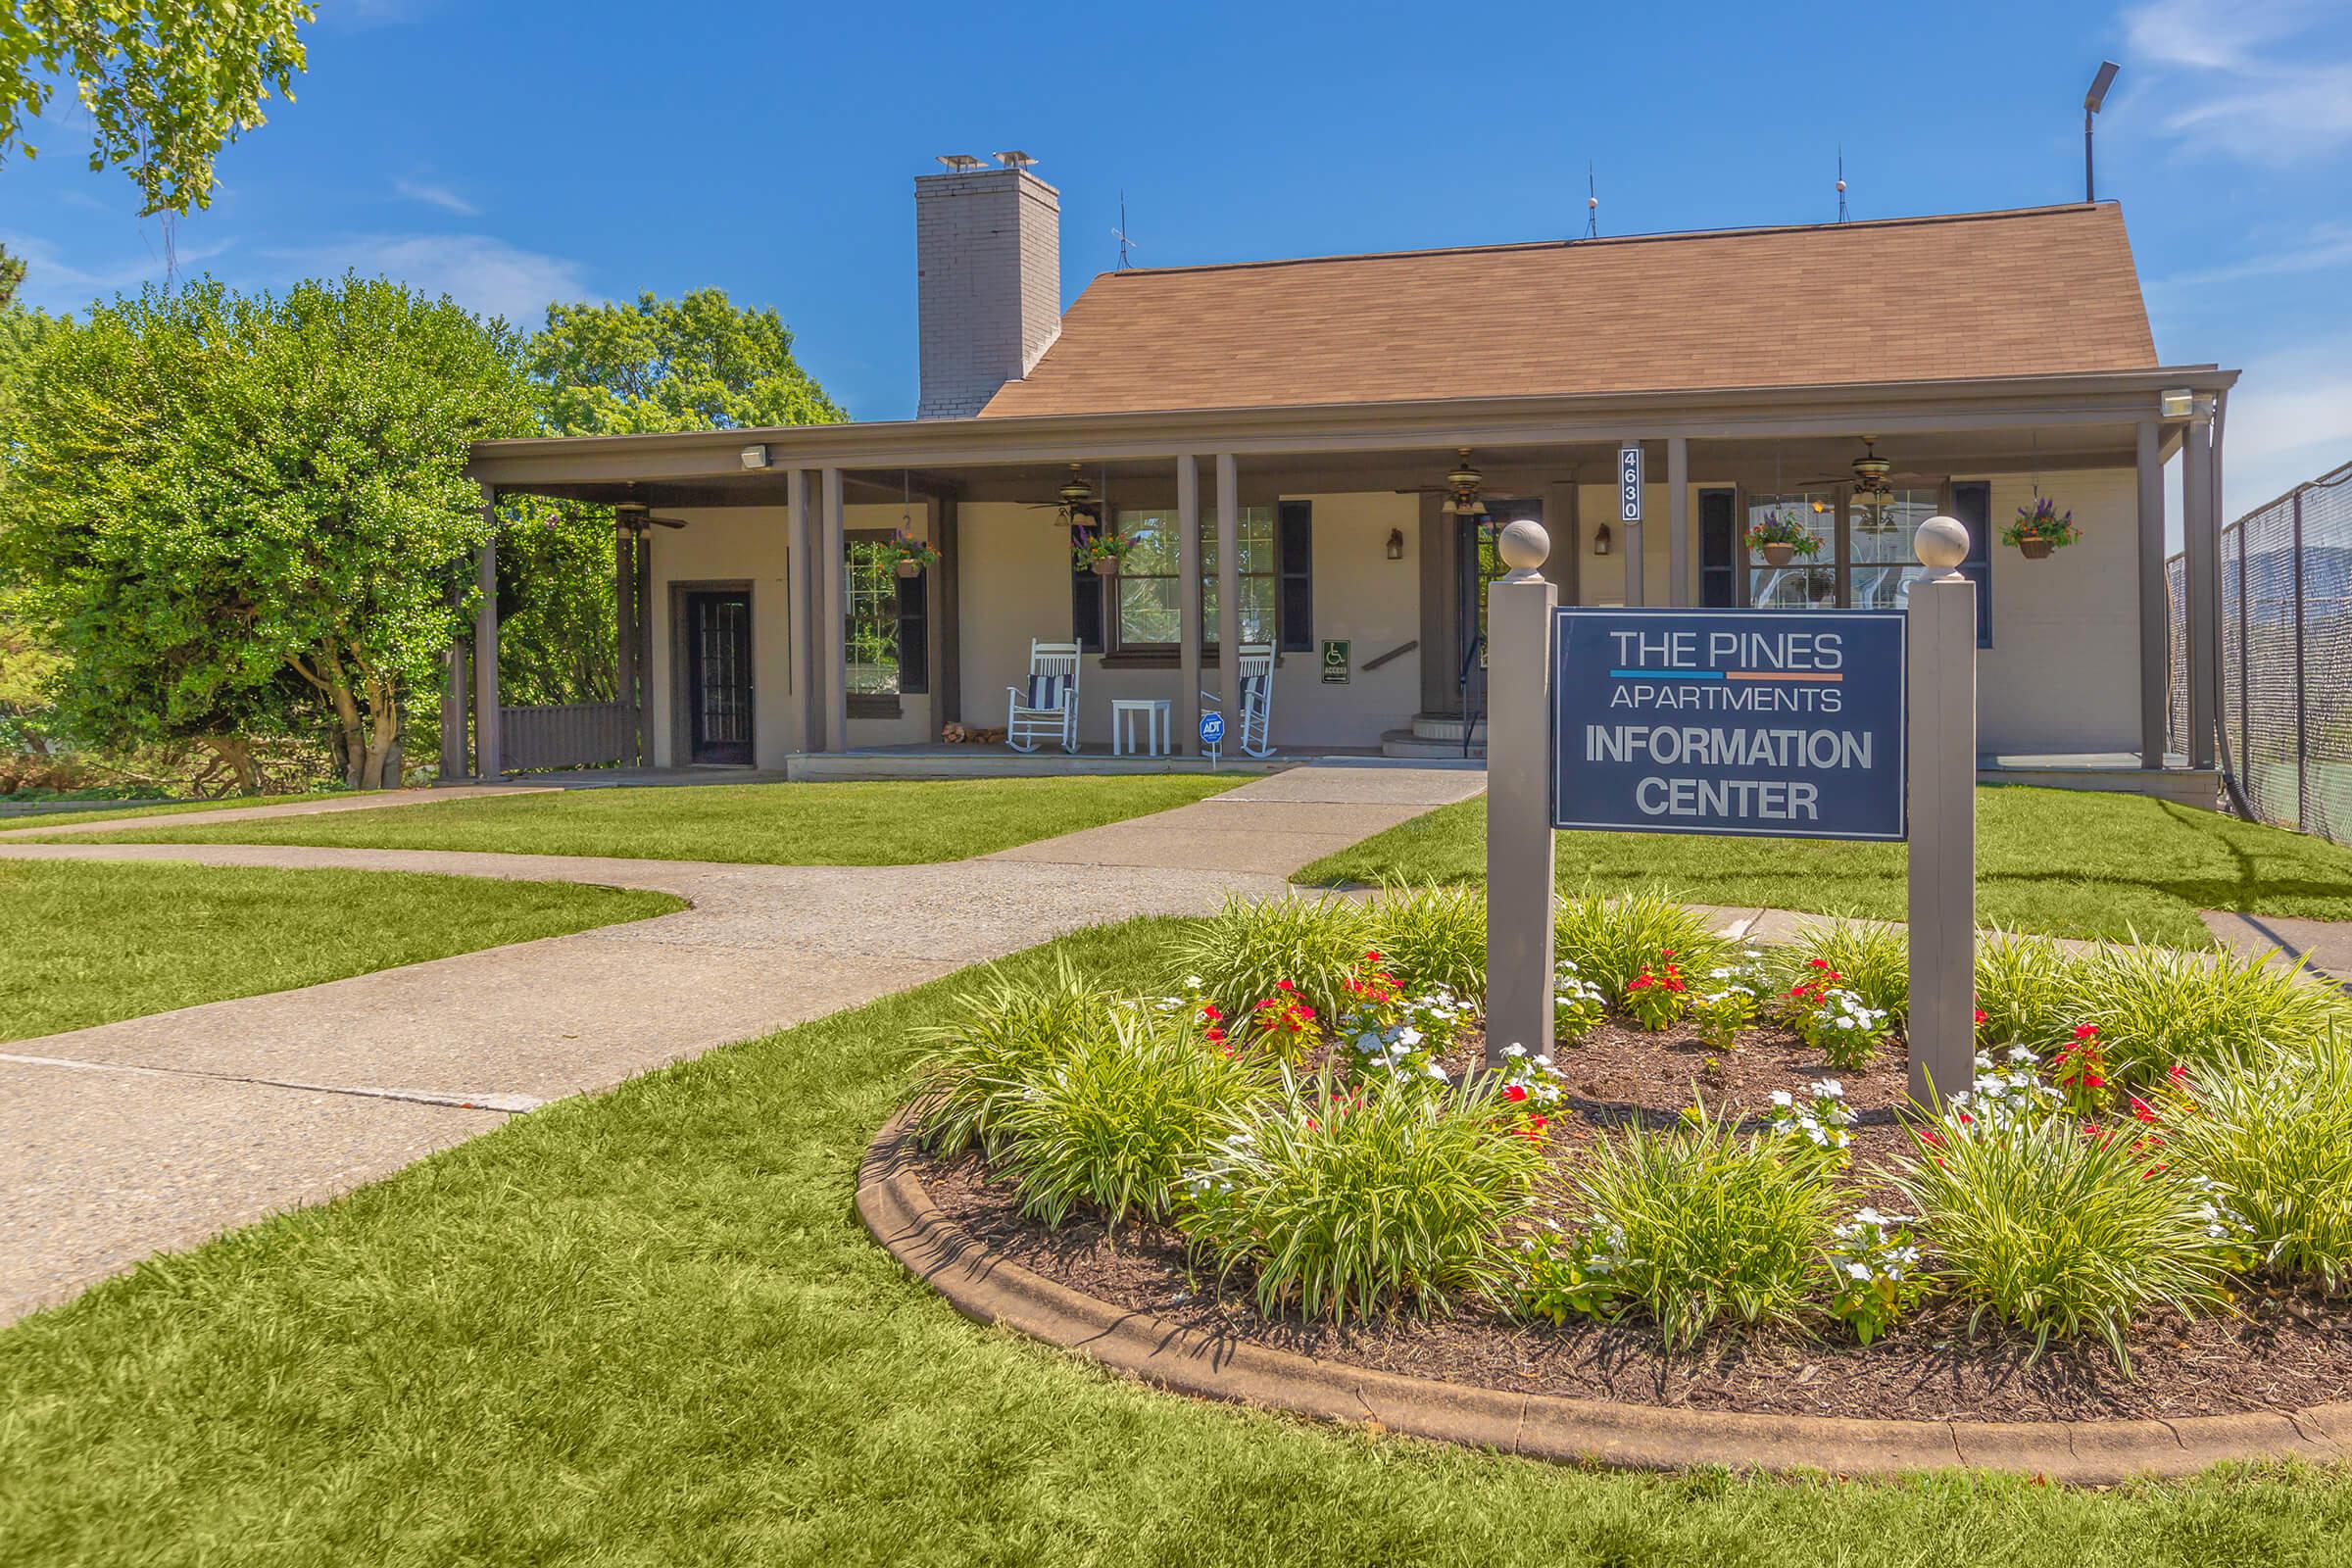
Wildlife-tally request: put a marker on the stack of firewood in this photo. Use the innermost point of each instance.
(970, 735)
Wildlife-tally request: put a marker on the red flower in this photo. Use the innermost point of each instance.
(2142, 1110)
(1981, 1018)
(1284, 985)
(1373, 954)
(2086, 1031)
(2179, 1075)
(1216, 1036)
(1514, 1093)
(1818, 963)
(1210, 1011)
(1665, 952)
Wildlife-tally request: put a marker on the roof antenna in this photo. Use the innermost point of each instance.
(1126, 264)
(1842, 213)
(1592, 204)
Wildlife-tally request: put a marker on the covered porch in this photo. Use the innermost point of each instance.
(759, 629)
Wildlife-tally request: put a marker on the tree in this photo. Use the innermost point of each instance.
(167, 83)
(238, 514)
(694, 363)
(12, 276)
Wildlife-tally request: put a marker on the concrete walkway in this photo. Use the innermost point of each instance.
(154, 1132)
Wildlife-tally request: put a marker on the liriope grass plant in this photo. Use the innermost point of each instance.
(1006, 1033)
(1241, 955)
(2020, 989)
(1432, 936)
(1352, 1204)
(2271, 1130)
(1871, 958)
(1117, 1122)
(1612, 939)
(1698, 1225)
(2154, 1006)
(2062, 1228)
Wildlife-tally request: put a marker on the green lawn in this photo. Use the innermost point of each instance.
(89, 942)
(905, 823)
(99, 813)
(2070, 863)
(645, 1328)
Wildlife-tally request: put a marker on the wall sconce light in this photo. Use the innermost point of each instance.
(1600, 540)
(1396, 544)
(754, 457)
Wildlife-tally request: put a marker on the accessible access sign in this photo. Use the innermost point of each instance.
(1765, 724)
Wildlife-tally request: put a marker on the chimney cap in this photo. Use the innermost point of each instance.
(1016, 160)
(960, 163)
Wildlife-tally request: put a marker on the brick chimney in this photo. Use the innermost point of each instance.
(988, 250)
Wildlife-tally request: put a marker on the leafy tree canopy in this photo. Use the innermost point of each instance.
(692, 364)
(166, 83)
(234, 513)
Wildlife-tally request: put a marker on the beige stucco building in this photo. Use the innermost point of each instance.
(1292, 436)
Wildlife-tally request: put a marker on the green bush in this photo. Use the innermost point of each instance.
(1700, 1226)
(1011, 1031)
(1612, 940)
(1432, 936)
(2273, 1132)
(1118, 1119)
(2155, 1006)
(2059, 1232)
(1873, 960)
(1365, 1203)
(2021, 990)
(1238, 953)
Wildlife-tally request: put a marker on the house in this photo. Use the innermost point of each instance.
(1327, 443)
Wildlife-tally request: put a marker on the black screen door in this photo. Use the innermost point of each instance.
(718, 676)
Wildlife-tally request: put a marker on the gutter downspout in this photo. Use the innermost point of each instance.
(2231, 785)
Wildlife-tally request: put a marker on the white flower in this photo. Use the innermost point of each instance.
(1782, 1097)
(1191, 982)
(1439, 1073)
(1859, 1271)
(1514, 1051)
(1409, 1037)
(1830, 1088)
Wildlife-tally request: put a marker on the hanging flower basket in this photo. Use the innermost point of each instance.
(1099, 553)
(1781, 538)
(910, 557)
(2041, 528)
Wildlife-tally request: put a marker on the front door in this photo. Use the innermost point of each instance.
(718, 676)
(1475, 567)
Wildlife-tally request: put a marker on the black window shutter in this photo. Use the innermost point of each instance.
(1972, 505)
(1295, 559)
(1718, 557)
(914, 634)
(1086, 599)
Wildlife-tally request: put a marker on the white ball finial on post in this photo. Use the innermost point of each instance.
(1941, 544)
(1524, 547)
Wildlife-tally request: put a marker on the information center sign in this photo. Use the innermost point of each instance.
(1767, 723)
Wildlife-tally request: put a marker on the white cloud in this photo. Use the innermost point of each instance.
(2323, 248)
(53, 283)
(486, 276)
(2241, 77)
(441, 196)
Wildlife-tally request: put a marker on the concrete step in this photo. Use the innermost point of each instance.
(1432, 727)
(1410, 743)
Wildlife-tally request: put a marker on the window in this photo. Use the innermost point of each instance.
(1150, 604)
(884, 626)
(1807, 582)
(1718, 550)
(1879, 557)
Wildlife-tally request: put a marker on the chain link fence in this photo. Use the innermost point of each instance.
(2286, 657)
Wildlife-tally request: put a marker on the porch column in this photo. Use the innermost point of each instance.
(624, 625)
(1630, 531)
(947, 609)
(832, 564)
(1185, 716)
(2155, 619)
(2202, 548)
(1229, 597)
(802, 549)
(488, 760)
(1678, 520)
(641, 547)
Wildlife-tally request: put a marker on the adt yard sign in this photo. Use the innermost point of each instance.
(1213, 728)
(1762, 722)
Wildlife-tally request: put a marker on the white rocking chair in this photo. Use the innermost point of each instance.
(1048, 709)
(1258, 699)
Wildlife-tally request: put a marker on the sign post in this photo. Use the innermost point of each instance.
(1942, 633)
(1519, 846)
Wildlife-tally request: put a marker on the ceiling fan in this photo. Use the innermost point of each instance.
(1871, 476)
(1075, 503)
(635, 514)
(1464, 489)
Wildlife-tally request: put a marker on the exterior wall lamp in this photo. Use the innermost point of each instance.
(1600, 540)
(1396, 544)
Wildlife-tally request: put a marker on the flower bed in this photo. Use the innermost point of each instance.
(1708, 1190)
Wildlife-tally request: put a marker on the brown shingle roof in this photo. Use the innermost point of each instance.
(2034, 291)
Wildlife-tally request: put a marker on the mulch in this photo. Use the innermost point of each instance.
(2275, 1351)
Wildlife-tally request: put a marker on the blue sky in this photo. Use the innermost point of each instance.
(518, 151)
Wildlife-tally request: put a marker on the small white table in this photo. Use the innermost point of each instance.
(1157, 724)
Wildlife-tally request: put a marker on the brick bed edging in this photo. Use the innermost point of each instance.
(900, 1213)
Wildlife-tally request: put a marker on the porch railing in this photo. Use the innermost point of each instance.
(2285, 657)
(569, 735)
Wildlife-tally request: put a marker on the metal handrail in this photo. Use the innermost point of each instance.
(1396, 653)
(1472, 713)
